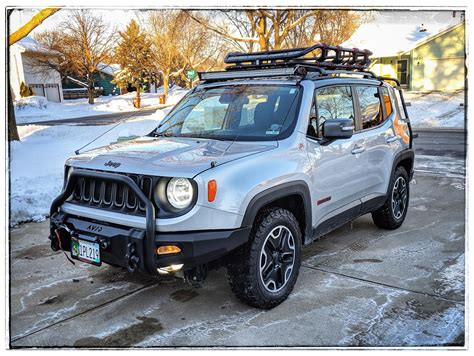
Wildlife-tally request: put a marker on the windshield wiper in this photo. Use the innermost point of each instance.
(162, 134)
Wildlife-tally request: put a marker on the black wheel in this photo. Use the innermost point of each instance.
(392, 214)
(263, 272)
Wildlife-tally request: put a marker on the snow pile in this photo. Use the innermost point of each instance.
(436, 109)
(37, 162)
(80, 108)
(36, 102)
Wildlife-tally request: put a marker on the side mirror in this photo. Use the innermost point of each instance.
(338, 128)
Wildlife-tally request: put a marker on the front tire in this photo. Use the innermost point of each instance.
(392, 214)
(263, 272)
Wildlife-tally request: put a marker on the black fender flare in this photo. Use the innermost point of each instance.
(272, 194)
(408, 153)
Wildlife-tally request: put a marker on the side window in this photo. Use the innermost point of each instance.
(334, 103)
(370, 106)
(386, 101)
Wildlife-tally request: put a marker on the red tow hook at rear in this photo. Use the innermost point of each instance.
(58, 236)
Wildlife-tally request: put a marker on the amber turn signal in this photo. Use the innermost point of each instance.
(211, 190)
(167, 249)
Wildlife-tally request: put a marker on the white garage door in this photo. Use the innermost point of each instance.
(52, 92)
(444, 74)
(38, 89)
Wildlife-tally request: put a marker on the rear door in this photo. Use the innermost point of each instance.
(374, 108)
(338, 172)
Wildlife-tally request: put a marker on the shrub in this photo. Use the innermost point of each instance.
(26, 90)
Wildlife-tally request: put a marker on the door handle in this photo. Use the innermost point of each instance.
(391, 139)
(358, 149)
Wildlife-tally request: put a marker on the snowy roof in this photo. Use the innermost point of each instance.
(29, 44)
(109, 69)
(394, 32)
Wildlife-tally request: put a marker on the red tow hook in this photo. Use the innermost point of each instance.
(58, 235)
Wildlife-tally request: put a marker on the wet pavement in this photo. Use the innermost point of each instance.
(358, 286)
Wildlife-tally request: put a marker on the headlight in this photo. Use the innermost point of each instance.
(179, 192)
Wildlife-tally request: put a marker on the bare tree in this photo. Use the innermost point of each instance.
(86, 44)
(199, 48)
(179, 43)
(51, 54)
(16, 36)
(273, 29)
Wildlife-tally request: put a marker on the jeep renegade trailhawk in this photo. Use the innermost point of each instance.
(277, 150)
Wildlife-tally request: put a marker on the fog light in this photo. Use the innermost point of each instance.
(168, 249)
(169, 269)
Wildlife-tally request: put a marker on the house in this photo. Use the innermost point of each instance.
(424, 53)
(44, 81)
(76, 87)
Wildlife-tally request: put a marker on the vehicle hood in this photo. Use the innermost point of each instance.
(172, 157)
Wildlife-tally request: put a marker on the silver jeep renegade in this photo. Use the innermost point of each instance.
(277, 150)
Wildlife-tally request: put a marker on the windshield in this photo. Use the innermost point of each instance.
(240, 112)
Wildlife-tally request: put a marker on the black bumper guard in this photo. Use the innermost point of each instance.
(149, 248)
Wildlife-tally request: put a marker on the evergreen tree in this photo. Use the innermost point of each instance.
(133, 55)
(25, 90)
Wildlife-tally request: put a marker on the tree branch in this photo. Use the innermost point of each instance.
(35, 21)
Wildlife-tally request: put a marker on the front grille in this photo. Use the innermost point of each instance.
(104, 194)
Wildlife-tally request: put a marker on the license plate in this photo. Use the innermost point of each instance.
(85, 251)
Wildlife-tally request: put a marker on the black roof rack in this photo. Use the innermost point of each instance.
(328, 60)
(331, 57)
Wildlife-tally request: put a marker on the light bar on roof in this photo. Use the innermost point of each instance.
(273, 72)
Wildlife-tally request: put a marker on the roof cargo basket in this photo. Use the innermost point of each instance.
(330, 57)
(321, 58)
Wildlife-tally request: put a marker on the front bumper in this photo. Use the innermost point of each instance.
(118, 244)
(135, 248)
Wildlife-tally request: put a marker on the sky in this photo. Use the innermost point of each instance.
(117, 17)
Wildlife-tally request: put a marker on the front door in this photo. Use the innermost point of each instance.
(402, 71)
(337, 169)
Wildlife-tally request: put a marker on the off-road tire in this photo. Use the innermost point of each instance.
(384, 217)
(244, 270)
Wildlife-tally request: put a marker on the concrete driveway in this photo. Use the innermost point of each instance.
(358, 286)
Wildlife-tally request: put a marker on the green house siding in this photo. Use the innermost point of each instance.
(387, 66)
(100, 80)
(438, 64)
(105, 81)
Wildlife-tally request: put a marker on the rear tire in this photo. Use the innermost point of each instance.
(392, 214)
(263, 272)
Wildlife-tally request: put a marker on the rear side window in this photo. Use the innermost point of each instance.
(370, 106)
(387, 103)
(334, 103)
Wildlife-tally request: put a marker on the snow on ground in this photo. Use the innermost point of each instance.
(37, 161)
(36, 109)
(436, 109)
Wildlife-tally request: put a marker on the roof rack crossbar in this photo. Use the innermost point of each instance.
(328, 56)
